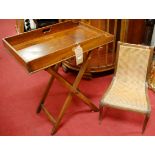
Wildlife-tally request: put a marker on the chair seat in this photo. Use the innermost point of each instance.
(123, 95)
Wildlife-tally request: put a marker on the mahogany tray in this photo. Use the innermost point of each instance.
(44, 47)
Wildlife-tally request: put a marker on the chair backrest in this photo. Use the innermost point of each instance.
(132, 63)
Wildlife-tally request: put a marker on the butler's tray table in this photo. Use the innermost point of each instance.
(47, 47)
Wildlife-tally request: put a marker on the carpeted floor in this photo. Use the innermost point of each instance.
(20, 94)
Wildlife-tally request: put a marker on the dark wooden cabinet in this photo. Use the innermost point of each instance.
(136, 31)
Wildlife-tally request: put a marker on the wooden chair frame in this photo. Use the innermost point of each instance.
(73, 88)
(147, 115)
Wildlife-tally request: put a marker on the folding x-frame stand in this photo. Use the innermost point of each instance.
(73, 88)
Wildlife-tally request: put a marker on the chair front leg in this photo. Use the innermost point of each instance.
(100, 113)
(147, 116)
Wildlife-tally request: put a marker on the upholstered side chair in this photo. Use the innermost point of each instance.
(128, 89)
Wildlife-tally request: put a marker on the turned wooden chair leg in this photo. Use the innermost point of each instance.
(100, 113)
(145, 122)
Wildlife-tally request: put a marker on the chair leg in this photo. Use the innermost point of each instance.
(145, 122)
(100, 113)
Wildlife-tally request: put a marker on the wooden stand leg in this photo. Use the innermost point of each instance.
(69, 97)
(45, 94)
(73, 90)
(147, 116)
(47, 90)
(62, 112)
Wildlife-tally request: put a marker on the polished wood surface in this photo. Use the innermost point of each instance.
(124, 30)
(19, 26)
(136, 31)
(104, 57)
(47, 46)
(133, 30)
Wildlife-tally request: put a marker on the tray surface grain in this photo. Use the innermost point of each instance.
(33, 49)
(47, 46)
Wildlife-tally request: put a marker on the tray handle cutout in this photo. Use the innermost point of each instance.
(47, 30)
